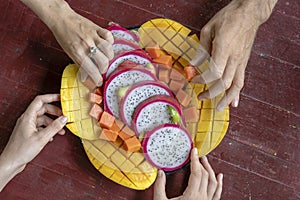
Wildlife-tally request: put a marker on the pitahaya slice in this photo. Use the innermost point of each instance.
(121, 46)
(122, 33)
(122, 78)
(137, 56)
(137, 94)
(167, 147)
(153, 112)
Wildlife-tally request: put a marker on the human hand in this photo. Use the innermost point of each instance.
(32, 132)
(228, 37)
(87, 44)
(203, 183)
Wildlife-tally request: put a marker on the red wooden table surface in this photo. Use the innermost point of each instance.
(260, 154)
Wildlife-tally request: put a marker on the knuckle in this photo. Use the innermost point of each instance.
(205, 174)
(218, 73)
(239, 85)
(227, 83)
(205, 30)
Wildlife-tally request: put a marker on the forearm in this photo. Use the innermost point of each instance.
(8, 170)
(49, 11)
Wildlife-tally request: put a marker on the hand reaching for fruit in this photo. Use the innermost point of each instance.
(203, 183)
(228, 38)
(31, 133)
(87, 44)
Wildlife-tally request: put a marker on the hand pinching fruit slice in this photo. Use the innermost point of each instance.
(167, 147)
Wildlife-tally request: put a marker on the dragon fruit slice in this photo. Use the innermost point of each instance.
(167, 147)
(121, 46)
(153, 112)
(122, 78)
(137, 94)
(122, 33)
(137, 56)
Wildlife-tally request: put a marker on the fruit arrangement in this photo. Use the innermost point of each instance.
(146, 116)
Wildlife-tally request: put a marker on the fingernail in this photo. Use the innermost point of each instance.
(204, 158)
(220, 108)
(195, 151)
(221, 176)
(235, 103)
(63, 119)
(201, 97)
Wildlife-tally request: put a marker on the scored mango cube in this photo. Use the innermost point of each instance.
(127, 166)
(117, 158)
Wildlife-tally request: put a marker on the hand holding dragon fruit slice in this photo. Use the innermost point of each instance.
(167, 147)
(138, 93)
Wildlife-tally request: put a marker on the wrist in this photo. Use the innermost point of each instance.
(50, 11)
(260, 10)
(9, 169)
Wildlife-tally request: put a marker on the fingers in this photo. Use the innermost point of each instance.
(218, 191)
(50, 109)
(222, 84)
(232, 95)
(212, 186)
(196, 175)
(46, 121)
(50, 131)
(106, 48)
(92, 70)
(105, 34)
(160, 186)
(100, 60)
(39, 101)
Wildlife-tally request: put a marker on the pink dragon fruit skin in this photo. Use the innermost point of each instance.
(138, 93)
(120, 32)
(153, 112)
(167, 147)
(121, 46)
(136, 56)
(122, 78)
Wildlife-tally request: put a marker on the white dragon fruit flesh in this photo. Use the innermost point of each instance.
(167, 147)
(121, 46)
(122, 33)
(122, 78)
(153, 112)
(134, 56)
(138, 93)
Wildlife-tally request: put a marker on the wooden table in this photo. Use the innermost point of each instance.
(260, 155)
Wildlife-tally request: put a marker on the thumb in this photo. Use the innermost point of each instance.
(53, 128)
(160, 186)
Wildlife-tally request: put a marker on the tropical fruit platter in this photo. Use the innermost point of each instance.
(146, 116)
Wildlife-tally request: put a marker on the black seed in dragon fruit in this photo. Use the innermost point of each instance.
(167, 147)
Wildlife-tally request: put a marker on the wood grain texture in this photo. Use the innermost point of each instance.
(260, 155)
